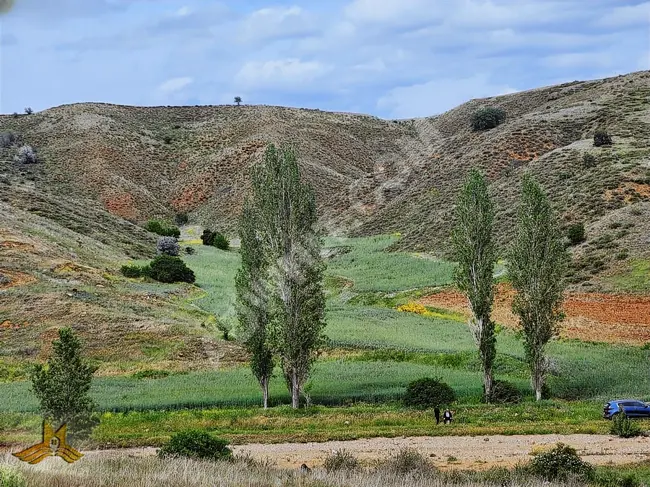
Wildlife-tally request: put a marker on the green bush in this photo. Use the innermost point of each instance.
(151, 374)
(162, 228)
(559, 463)
(624, 427)
(340, 460)
(215, 239)
(168, 269)
(132, 271)
(189, 250)
(197, 445)
(181, 219)
(601, 137)
(588, 160)
(11, 477)
(428, 393)
(487, 118)
(504, 392)
(576, 233)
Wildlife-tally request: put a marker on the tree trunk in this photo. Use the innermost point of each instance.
(295, 391)
(538, 373)
(488, 383)
(265, 392)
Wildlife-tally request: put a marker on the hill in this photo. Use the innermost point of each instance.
(70, 221)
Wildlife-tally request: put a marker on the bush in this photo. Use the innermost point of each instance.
(505, 393)
(26, 155)
(189, 250)
(197, 445)
(407, 461)
(132, 271)
(168, 246)
(181, 219)
(588, 160)
(168, 269)
(11, 477)
(162, 228)
(624, 427)
(8, 139)
(576, 233)
(340, 460)
(559, 463)
(224, 328)
(601, 137)
(428, 393)
(215, 239)
(29, 111)
(488, 118)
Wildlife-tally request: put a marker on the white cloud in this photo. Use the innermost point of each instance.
(281, 73)
(438, 96)
(389, 11)
(175, 84)
(277, 23)
(579, 60)
(625, 16)
(183, 11)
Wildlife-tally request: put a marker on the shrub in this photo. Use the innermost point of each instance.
(11, 477)
(624, 427)
(601, 137)
(197, 445)
(559, 463)
(224, 328)
(588, 160)
(216, 239)
(340, 460)
(576, 233)
(505, 393)
(181, 219)
(189, 250)
(132, 271)
(162, 228)
(151, 374)
(407, 461)
(428, 392)
(168, 269)
(168, 246)
(26, 155)
(29, 111)
(487, 118)
(7, 139)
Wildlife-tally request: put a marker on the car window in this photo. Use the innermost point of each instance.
(631, 404)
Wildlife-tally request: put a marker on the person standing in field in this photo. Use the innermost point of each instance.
(447, 417)
(436, 412)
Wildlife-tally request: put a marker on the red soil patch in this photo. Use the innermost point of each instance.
(11, 325)
(15, 279)
(628, 190)
(122, 205)
(593, 317)
(13, 245)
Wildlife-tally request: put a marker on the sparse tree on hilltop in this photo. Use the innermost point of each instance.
(252, 289)
(63, 385)
(286, 210)
(238, 100)
(536, 266)
(29, 111)
(476, 255)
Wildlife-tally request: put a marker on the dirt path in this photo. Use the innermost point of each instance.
(470, 452)
(589, 316)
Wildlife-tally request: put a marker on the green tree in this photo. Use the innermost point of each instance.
(252, 304)
(286, 210)
(238, 100)
(62, 386)
(536, 265)
(476, 255)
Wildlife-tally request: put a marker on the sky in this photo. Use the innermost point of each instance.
(389, 58)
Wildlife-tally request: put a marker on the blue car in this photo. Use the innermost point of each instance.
(631, 408)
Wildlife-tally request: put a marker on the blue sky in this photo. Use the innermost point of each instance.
(390, 58)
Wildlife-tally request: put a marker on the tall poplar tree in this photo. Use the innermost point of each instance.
(252, 304)
(475, 252)
(536, 267)
(286, 220)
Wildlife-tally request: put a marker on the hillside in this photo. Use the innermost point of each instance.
(69, 222)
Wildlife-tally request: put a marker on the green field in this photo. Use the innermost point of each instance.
(374, 349)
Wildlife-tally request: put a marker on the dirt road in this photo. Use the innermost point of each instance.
(468, 452)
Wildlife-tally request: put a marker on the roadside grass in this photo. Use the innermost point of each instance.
(323, 423)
